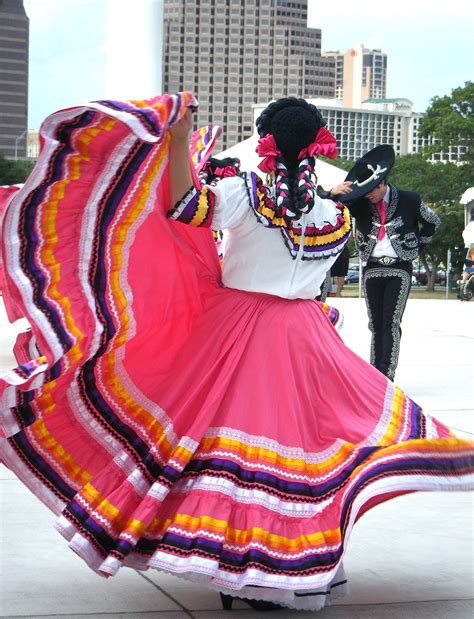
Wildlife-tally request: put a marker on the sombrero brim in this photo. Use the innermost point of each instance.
(381, 159)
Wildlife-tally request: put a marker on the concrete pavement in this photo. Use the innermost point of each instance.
(410, 558)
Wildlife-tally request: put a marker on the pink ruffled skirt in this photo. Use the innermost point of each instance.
(227, 437)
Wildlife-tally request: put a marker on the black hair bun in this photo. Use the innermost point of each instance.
(293, 123)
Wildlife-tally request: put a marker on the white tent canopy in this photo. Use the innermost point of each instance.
(468, 196)
(328, 175)
(467, 199)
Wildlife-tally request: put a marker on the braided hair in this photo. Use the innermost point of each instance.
(294, 124)
(215, 169)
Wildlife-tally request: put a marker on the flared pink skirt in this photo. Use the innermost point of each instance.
(224, 436)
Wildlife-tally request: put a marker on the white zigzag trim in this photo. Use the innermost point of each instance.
(88, 422)
(428, 455)
(384, 418)
(10, 230)
(251, 545)
(98, 517)
(289, 509)
(281, 555)
(55, 465)
(127, 537)
(253, 440)
(192, 534)
(179, 466)
(271, 469)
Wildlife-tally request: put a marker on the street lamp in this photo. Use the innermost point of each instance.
(448, 268)
(20, 137)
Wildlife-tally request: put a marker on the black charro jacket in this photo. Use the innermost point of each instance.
(410, 224)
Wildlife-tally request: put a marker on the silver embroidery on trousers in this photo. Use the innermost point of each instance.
(397, 313)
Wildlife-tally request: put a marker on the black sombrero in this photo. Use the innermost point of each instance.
(369, 171)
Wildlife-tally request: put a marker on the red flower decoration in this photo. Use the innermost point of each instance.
(267, 149)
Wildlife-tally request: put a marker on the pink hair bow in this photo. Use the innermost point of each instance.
(226, 171)
(324, 144)
(267, 149)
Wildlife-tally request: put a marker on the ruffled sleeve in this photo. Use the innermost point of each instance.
(219, 206)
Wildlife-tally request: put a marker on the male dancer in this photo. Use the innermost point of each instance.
(393, 228)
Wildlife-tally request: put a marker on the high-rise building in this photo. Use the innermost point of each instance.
(14, 41)
(234, 53)
(376, 121)
(360, 74)
(32, 144)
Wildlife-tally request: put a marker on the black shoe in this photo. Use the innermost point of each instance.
(255, 604)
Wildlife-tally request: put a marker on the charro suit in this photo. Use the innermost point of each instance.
(409, 225)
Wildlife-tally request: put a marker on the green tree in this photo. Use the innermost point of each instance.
(14, 172)
(450, 119)
(342, 164)
(440, 186)
(435, 182)
(447, 236)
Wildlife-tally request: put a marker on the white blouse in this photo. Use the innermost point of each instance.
(256, 255)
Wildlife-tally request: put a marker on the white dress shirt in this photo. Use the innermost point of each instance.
(384, 246)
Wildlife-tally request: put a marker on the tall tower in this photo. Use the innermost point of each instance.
(235, 53)
(14, 42)
(374, 74)
(360, 74)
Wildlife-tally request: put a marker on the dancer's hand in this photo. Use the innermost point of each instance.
(342, 189)
(182, 129)
(179, 170)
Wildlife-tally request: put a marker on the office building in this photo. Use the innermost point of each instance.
(32, 144)
(360, 74)
(235, 53)
(357, 130)
(14, 40)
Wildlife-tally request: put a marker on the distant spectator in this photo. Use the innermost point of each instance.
(468, 263)
(468, 232)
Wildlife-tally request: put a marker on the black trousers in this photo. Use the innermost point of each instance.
(386, 291)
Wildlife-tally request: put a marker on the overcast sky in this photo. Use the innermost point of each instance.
(429, 46)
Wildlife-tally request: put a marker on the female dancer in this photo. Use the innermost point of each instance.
(206, 422)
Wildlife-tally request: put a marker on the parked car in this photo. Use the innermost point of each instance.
(352, 276)
(422, 278)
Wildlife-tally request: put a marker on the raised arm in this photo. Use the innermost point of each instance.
(179, 169)
(340, 190)
(428, 221)
(334, 193)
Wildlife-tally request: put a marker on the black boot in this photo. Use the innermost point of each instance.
(255, 604)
